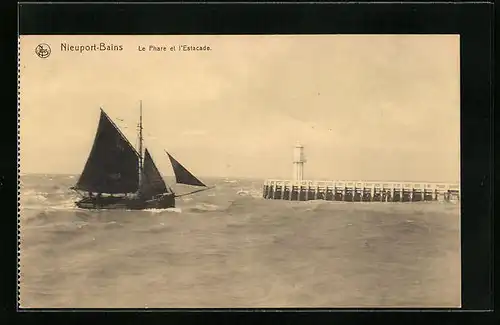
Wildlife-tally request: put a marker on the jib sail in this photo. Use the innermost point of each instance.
(112, 165)
(182, 175)
(152, 181)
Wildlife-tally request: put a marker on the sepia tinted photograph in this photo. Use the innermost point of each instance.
(239, 171)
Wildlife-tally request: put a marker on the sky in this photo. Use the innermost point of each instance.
(365, 107)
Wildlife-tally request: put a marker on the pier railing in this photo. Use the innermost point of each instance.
(340, 190)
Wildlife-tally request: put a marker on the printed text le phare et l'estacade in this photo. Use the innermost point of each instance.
(174, 48)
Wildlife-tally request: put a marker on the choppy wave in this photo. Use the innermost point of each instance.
(48, 193)
(219, 248)
(204, 207)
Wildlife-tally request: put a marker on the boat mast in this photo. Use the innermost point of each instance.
(140, 145)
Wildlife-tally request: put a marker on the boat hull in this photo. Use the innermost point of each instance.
(125, 203)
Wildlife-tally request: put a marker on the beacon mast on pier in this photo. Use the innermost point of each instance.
(298, 162)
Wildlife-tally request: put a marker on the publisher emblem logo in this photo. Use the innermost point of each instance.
(43, 50)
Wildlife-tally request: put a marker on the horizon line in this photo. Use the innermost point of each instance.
(324, 179)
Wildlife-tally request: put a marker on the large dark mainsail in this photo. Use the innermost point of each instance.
(112, 165)
(152, 182)
(182, 175)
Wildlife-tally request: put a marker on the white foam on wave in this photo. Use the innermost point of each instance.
(29, 193)
(256, 194)
(37, 197)
(80, 224)
(206, 207)
(250, 193)
(39, 202)
(177, 210)
(61, 191)
(32, 199)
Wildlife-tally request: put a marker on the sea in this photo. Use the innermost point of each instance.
(229, 248)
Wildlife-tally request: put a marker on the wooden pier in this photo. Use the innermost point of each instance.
(354, 191)
(357, 191)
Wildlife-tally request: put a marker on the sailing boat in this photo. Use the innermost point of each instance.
(117, 176)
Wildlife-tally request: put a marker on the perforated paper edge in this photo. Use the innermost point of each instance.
(18, 273)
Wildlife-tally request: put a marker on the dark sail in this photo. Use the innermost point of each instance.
(182, 175)
(152, 182)
(112, 166)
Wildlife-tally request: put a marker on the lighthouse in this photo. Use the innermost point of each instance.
(298, 162)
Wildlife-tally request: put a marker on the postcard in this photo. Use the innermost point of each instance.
(242, 171)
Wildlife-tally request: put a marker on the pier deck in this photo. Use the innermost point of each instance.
(359, 191)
